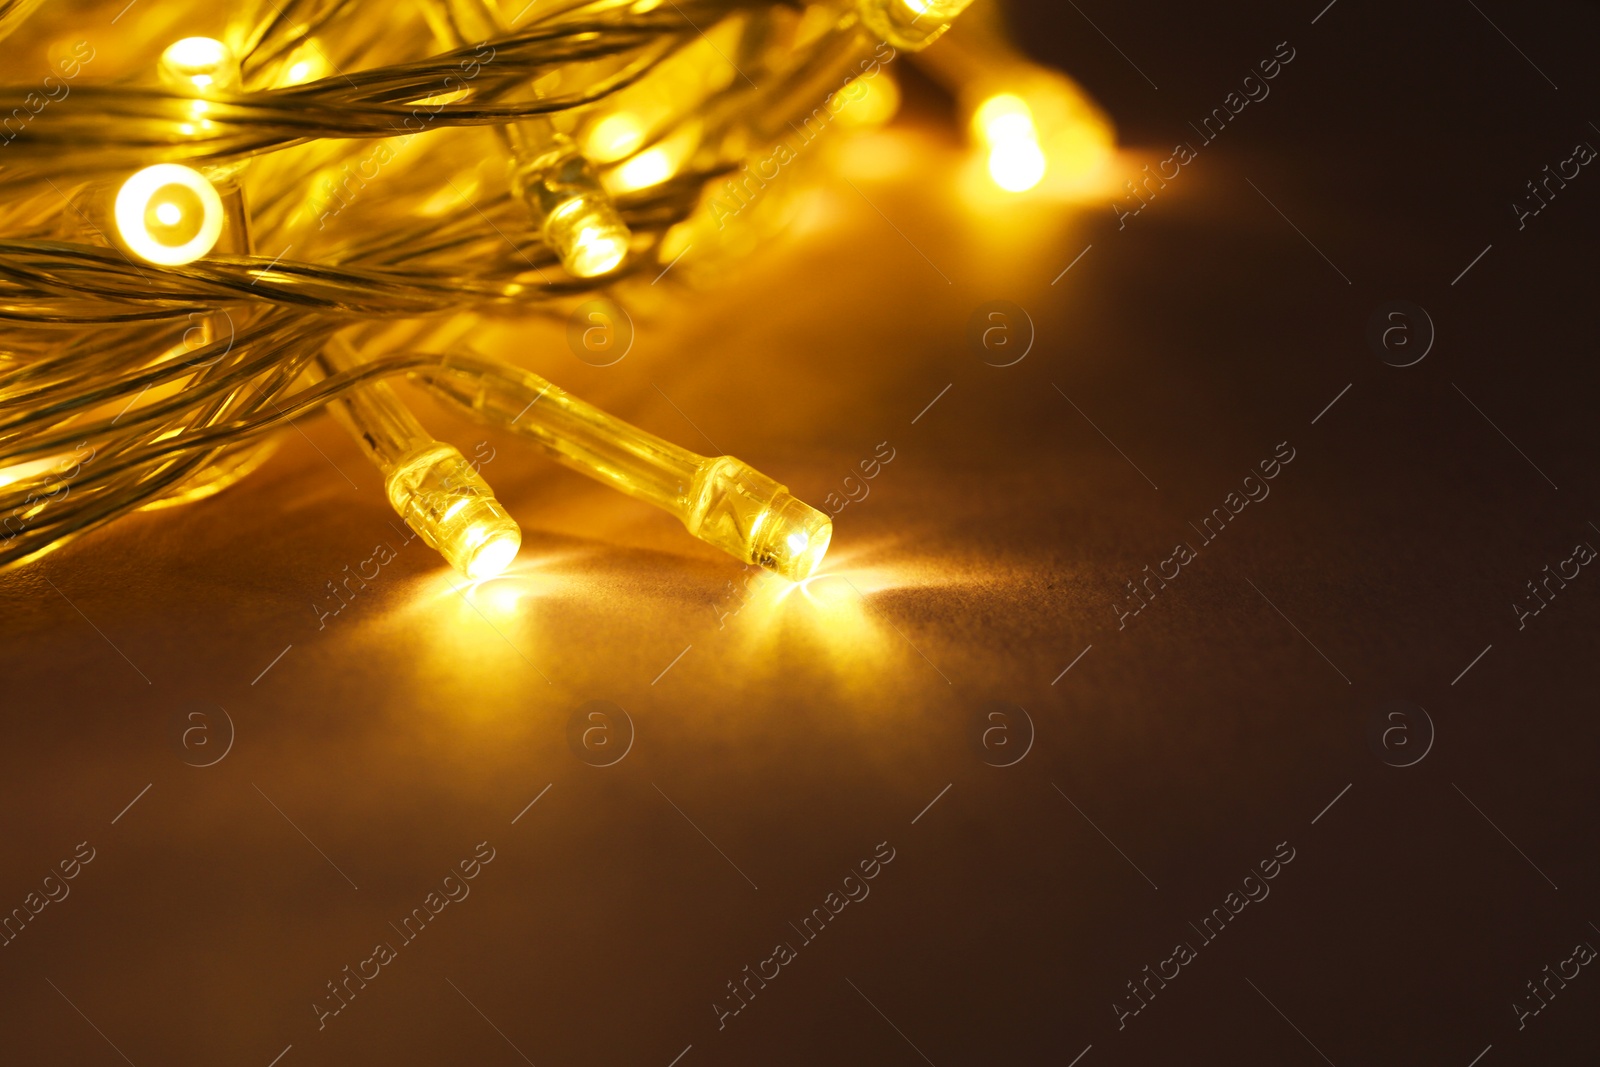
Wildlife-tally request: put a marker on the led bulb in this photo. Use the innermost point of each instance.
(721, 500)
(1017, 166)
(1040, 122)
(439, 495)
(430, 485)
(617, 136)
(1004, 122)
(574, 214)
(168, 214)
(910, 24)
(200, 65)
(589, 236)
(871, 101)
(1002, 115)
(651, 167)
(743, 512)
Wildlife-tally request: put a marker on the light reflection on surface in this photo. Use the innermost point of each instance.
(833, 622)
(497, 643)
(511, 593)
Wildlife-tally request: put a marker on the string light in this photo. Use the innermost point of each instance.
(553, 178)
(429, 484)
(721, 500)
(1031, 123)
(203, 64)
(301, 203)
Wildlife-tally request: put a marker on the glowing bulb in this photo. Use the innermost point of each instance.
(439, 495)
(871, 102)
(200, 63)
(1001, 115)
(559, 184)
(497, 547)
(588, 235)
(614, 137)
(598, 252)
(168, 214)
(800, 538)
(642, 171)
(720, 499)
(1005, 123)
(1017, 166)
(910, 24)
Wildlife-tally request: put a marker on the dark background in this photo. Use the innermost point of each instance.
(803, 732)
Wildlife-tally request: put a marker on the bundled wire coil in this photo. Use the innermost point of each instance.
(129, 382)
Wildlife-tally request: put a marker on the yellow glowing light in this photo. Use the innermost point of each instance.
(911, 24)
(497, 547)
(870, 102)
(168, 214)
(1035, 126)
(599, 251)
(614, 137)
(196, 52)
(202, 63)
(1005, 123)
(642, 171)
(1017, 166)
(588, 234)
(439, 495)
(721, 500)
(1000, 115)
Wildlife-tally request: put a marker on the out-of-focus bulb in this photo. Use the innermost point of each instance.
(1000, 115)
(168, 214)
(1017, 166)
(870, 102)
(910, 24)
(1004, 124)
(200, 65)
(614, 137)
(1036, 121)
(641, 172)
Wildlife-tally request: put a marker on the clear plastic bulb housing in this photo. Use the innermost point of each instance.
(439, 495)
(430, 484)
(722, 500)
(168, 214)
(910, 24)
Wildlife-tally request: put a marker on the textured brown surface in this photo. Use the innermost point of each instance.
(782, 746)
